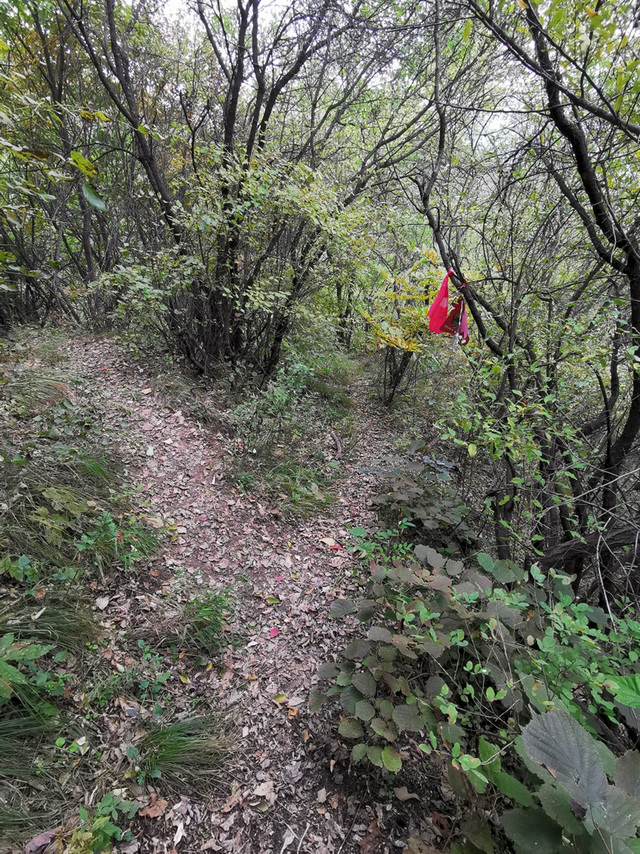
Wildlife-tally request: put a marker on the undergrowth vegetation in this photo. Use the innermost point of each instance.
(281, 432)
(529, 695)
(72, 538)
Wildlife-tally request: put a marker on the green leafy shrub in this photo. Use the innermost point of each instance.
(101, 827)
(421, 492)
(452, 651)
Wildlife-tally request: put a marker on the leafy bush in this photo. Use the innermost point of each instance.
(100, 830)
(451, 651)
(419, 489)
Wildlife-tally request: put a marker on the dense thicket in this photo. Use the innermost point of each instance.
(253, 186)
(225, 181)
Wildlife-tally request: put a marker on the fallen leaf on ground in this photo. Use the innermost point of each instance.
(328, 541)
(417, 845)
(40, 840)
(441, 823)
(154, 808)
(265, 790)
(233, 800)
(102, 602)
(402, 794)
(274, 633)
(372, 841)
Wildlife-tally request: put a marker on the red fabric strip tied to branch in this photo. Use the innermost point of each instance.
(452, 322)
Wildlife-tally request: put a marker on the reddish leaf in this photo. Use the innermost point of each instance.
(274, 633)
(40, 840)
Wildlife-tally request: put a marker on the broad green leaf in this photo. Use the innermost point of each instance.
(358, 752)
(379, 633)
(556, 802)
(9, 677)
(490, 756)
(485, 561)
(316, 700)
(391, 760)
(478, 832)
(328, 671)
(351, 728)
(365, 683)
(407, 718)
(562, 745)
(357, 649)
(627, 774)
(375, 755)
(626, 690)
(85, 166)
(533, 831)
(349, 698)
(386, 729)
(511, 788)
(364, 710)
(619, 815)
(93, 198)
(341, 607)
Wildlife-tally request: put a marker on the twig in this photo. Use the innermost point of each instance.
(302, 838)
(348, 834)
(600, 578)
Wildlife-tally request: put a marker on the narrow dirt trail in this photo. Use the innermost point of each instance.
(289, 788)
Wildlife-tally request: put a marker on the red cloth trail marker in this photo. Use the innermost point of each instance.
(452, 322)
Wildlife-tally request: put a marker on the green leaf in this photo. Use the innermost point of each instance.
(478, 780)
(316, 700)
(93, 198)
(364, 710)
(556, 802)
(558, 741)
(349, 698)
(391, 760)
(477, 831)
(358, 752)
(328, 671)
(357, 649)
(375, 755)
(365, 683)
(406, 718)
(9, 677)
(511, 788)
(351, 728)
(85, 166)
(533, 831)
(619, 815)
(485, 561)
(627, 774)
(626, 690)
(386, 729)
(341, 607)
(379, 633)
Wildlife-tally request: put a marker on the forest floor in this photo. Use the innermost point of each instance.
(286, 784)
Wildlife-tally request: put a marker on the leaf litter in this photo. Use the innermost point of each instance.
(289, 777)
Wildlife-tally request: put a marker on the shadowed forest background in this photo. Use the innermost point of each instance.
(252, 205)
